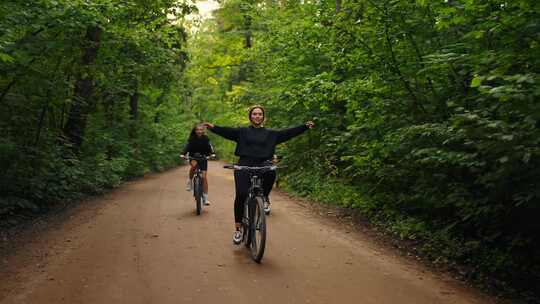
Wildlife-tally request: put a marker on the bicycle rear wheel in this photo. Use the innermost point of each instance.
(197, 193)
(257, 229)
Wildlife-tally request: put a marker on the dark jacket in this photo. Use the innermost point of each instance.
(257, 143)
(199, 145)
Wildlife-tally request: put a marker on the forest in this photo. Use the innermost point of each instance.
(427, 112)
(92, 93)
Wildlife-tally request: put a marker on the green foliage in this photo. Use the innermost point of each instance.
(427, 113)
(134, 115)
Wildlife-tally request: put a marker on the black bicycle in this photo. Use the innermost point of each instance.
(253, 226)
(197, 182)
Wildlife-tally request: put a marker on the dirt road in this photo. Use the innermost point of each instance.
(143, 243)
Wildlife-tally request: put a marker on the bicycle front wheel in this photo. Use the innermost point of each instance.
(258, 229)
(197, 193)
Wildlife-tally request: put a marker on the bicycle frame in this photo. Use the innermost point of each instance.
(197, 183)
(256, 186)
(254, 219)
(255, 190)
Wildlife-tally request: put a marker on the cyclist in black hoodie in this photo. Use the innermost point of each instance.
(199, 146)
(255, 145)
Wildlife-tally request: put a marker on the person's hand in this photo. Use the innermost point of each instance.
(208, 125)
(310, 124)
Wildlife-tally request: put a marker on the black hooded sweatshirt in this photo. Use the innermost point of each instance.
(199, 145)
(257, 144)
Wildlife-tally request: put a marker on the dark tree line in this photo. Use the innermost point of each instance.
(91, 93)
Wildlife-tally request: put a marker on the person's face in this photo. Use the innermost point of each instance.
(199, 130)
(257, 117)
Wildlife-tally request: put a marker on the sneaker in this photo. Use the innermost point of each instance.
(189, 185)
(267, 207)
(237, 237)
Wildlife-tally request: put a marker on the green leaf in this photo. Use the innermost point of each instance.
(509, 137)
(6, 58)
(476, 81)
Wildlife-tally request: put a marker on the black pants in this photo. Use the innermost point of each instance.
(242, 182)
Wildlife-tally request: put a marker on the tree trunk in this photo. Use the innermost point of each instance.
(134, 117)
(134, 105)
(108, 107)
(84, 89)
(247, 42)
(6, 91)
(247, 29)
(159, 101)
(40, 123)
(338, 6)
(133, 114)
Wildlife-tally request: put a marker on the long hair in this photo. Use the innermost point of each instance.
(193, 134)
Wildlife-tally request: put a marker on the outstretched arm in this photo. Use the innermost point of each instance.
(225, 132)
(287, 134)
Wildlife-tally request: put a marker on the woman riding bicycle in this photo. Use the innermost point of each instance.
(199, 146)
(255, 147)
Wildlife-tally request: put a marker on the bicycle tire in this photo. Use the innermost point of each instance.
(246, 236)
(197, 193)
(258, 230)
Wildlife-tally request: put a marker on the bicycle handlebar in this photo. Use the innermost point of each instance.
(250, 168)
(189, 157)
